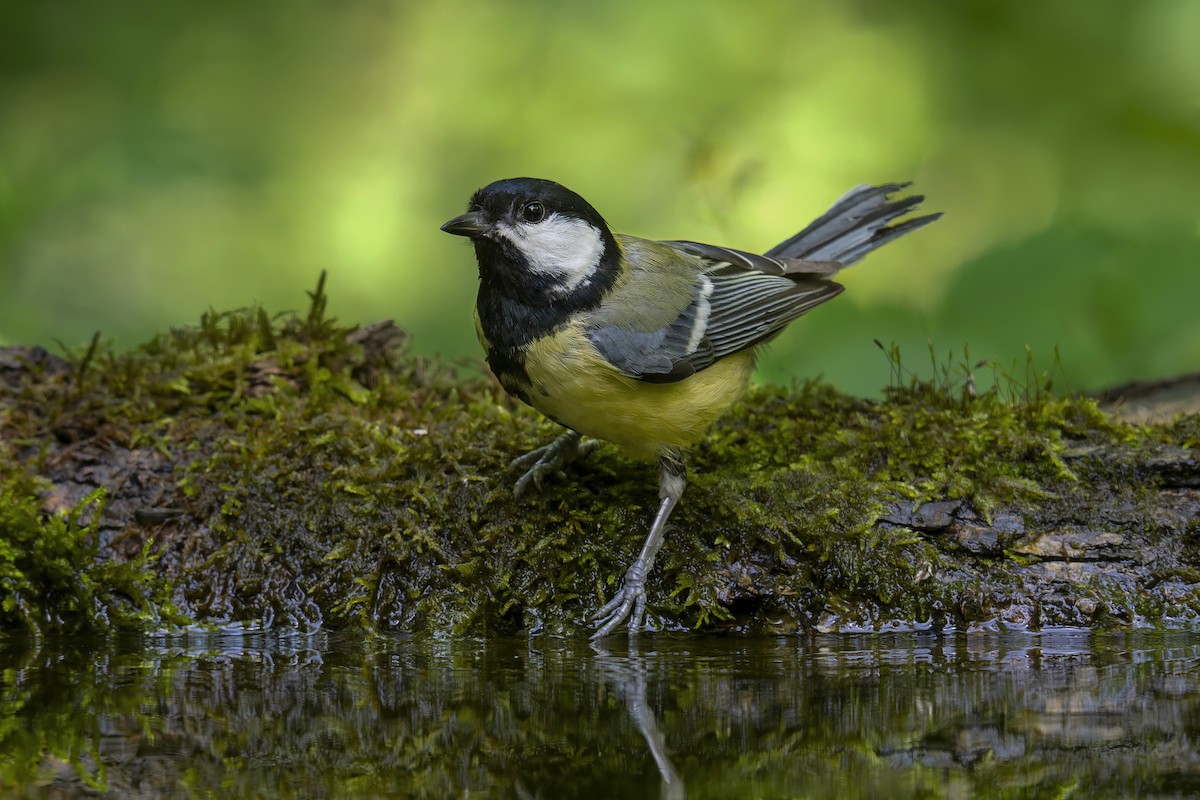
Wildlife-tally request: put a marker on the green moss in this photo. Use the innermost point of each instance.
(295, 471)
(52, 575)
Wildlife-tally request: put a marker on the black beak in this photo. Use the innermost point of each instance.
(468, 224)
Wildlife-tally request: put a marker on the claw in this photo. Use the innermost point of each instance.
(532, 457)
(629, 603)
(549, 460)
(532, 476)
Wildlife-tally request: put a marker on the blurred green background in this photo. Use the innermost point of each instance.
(159, 158)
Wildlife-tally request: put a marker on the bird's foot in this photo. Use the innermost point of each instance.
(548, 460)
(629, 603)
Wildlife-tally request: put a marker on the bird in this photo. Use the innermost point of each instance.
(638, 342)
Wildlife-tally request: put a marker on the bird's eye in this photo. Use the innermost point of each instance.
(533, 212)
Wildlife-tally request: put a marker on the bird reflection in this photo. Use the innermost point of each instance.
(627, 675)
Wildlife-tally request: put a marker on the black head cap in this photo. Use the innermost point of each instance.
(508, 200)
(498, 208)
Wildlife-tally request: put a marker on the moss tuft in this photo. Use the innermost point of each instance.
(53, 576)
(288, 470)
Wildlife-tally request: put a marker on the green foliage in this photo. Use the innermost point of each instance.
(153, 162)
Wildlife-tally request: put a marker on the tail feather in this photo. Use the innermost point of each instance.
(856, 224)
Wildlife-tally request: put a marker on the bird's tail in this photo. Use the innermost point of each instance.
(855, 225)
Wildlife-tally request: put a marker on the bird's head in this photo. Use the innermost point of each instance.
(536, 233)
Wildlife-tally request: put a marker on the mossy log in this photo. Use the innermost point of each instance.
(289, 471)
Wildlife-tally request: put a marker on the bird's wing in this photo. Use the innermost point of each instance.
(768, 265)
(718, 302)
(747, 307)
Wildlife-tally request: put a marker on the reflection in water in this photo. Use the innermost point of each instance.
(912, 715)
(628, 675)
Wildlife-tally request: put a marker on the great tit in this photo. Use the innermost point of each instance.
(637, 342)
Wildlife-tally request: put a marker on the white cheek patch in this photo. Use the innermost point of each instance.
(566, 247)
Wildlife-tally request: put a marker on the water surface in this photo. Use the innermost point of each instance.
(246, 714)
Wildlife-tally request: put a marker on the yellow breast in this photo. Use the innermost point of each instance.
(572, 384)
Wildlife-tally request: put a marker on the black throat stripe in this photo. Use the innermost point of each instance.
(518, 306)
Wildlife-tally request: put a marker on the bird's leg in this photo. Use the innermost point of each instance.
(549, 459)
(630, 601)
